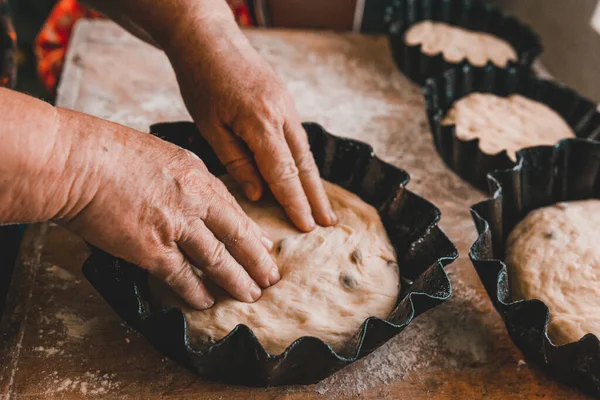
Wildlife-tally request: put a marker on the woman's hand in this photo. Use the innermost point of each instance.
(132, 195)
(244, 111)
(156, 205)
(235, 98)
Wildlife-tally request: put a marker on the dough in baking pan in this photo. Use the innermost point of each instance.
(506, 123)
(553, 256)
(332, 279)
(456, 44)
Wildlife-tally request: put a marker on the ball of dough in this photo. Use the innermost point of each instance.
(332, 279)
(506, 123)
(553, 256)
(456, 44)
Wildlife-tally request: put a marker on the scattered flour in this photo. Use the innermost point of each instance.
(358, 84)
(48, 351)
(74, 326)
(60, 273)
(87, 384)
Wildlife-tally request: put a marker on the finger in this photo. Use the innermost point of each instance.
(236, 231)
(237, 159)
(277, 166)
(309, 174)
(211, 256)
(178, 273)
(223, 191)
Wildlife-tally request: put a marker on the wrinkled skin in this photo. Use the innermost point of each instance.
(245, 113)
(150, 202)
(132, 195)
(167, 214)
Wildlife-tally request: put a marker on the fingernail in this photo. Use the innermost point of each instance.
(274, 276)
(332, 217)
(252, 191)
(209, 303)
(310, 223)
(268, 243)
(255, 292)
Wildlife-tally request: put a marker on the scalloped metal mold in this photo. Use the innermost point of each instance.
(465, 157)
(469, 14)
(411, 222)
(544, 175)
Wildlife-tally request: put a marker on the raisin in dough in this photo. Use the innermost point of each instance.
(553, 255)
(506, 123)
(332, 279)
(457, 43)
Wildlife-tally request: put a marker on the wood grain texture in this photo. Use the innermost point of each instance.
(60, 340)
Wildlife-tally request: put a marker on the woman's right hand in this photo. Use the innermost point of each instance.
(156, 205)
(132, 195)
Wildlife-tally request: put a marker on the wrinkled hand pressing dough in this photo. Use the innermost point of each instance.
(553, 256)
(456, 44)
(506, 123)
(332, 279)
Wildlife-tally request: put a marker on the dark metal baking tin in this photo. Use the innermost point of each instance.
(544, 175)
(470, 14)
(411, 222)
(465, 157)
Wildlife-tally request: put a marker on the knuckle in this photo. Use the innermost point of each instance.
(284, 171)
(243, 230)
(237, 165)
(191, 181)
(270, 116)
(270, 142)
(306, 162)
(174, 275)
(183, 157)
(156, 262)
(266, 128)
(216, 257)
(240, 235)
(239, 280)
(213, 210)
(189, 155)
(188, 177)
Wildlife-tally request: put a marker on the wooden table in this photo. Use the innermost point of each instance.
(60, 340)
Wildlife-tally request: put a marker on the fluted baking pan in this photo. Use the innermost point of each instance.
(469, 14)
(411, 223)
(543, 176)
(465, 157)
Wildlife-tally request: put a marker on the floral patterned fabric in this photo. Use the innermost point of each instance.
(8, 45)
(53, 39)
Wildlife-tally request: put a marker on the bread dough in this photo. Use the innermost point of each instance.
(457, 43)
(332, 279)
(506, 123)
(553, 255)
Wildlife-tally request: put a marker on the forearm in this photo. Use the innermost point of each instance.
(159, 22)
(50, 161)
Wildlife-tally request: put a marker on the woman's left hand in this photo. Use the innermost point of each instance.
(244, 111)
(235, 98)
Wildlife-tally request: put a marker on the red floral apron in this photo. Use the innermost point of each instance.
(53, 39)
(8, 46)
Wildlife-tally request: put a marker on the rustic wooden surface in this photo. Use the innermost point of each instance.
(60, 340)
